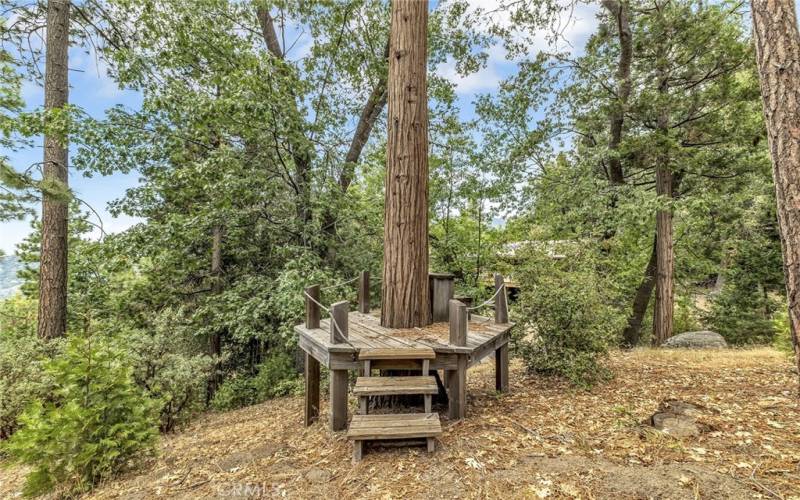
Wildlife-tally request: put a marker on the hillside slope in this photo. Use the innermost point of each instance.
(540, 440)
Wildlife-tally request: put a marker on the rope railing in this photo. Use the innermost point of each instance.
(489, 300)
(337, 285)
(337, 330)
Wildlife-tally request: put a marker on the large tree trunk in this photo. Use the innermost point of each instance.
(633, 331)
(665, 252)
(55, 209)
(617, 118)
(778, 55)
(405, 263)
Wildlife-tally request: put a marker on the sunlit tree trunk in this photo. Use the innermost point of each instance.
(778, 55)
(53, 264)
(665, 251)
(405, 264)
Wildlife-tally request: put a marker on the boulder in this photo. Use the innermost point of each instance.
(696, 340)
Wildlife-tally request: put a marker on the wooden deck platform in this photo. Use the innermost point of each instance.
(484, 337)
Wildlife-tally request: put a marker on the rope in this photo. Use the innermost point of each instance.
(337, 330)
(339, 284)
(490, 300)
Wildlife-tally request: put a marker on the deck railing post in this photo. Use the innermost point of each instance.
(458, 323)
(500, 300)
(339, 313)
(363, 292)
(338, 377)
(441, 291)
(312, 308)
(457, 379)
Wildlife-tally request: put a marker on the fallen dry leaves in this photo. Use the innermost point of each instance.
(540, 440)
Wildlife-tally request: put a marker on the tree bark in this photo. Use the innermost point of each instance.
(633, 331)
(778, 56)
(404, 291)
(55, 209)
(215, 347)
(617, 117)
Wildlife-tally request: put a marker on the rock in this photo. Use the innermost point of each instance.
(675, 425)
(318, 476)
(696, 340)
(678, 419)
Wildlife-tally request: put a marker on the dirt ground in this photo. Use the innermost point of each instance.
(541, 440)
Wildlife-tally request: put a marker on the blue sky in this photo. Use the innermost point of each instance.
(94, 91)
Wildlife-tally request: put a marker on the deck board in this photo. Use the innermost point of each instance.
(366, 332)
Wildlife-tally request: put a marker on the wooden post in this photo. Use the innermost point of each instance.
(338, 382)
(338, 389)
(312, 309)
(312, 390)
(339, 313)
(363, 292)
(458, 323)
(500, 301)
(467, 301)
(441, 290)
(457, 381)
(501, 368)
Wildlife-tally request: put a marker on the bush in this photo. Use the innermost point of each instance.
(783, 332)
(22, 358)
(276, 377)
(743, 315)
(172, 368)
(565, 312)
(96, 423)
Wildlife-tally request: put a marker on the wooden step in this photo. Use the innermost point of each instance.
(393, 426)
(395, 354)
(392, 386)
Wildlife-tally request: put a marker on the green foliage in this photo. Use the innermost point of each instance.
(275, 377)
(567, 321)
(22, 358)
(783, 331)
(93, 424)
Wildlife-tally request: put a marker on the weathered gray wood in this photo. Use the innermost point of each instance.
(501, 300)
(501, 368)
(312, 309)
(338, 391)
(363, 404)
(467, 301)
(367, 368)
(358, 450)
(426, 366)
(441, 290)
(339, 315)
(431, 445)
(397, 353)
(428, 402)
(457, 390)
(312, 390)
(363, 292)
(458, 323)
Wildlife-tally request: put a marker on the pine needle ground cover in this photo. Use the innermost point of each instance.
(541, 440)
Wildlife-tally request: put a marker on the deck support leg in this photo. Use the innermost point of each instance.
(431, 445)
(457, 390)
(501, 368)
(312, 390)
(358, 450)
(338, 400)
(363, 405)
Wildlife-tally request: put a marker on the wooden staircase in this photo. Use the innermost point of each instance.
(365, 427)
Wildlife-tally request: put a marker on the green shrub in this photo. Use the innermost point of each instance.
(170, 365)
(743, 315)
(567, 321)
(276, 377)
(22, 357)
(783, 331)
(96, 422)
